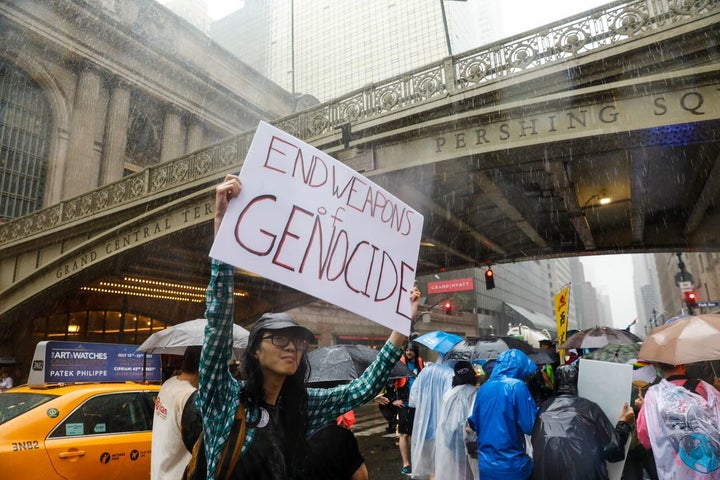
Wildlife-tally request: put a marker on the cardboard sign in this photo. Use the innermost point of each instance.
(610, 386)
(307, 221)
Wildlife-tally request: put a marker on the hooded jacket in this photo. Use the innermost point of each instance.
(573, 437)
(503, 412)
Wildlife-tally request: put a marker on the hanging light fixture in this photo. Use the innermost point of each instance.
(602, 197)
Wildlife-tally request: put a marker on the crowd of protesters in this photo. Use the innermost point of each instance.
(455, 421)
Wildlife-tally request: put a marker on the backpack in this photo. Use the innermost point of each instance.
(196, 468)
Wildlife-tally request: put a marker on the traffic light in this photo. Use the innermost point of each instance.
(489, 279)
(691, 298)
(448, 306)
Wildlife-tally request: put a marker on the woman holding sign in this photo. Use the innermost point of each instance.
(276, 411)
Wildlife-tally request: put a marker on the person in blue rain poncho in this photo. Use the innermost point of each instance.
(504, 411)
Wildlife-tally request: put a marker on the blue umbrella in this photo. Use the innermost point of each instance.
(438, 341)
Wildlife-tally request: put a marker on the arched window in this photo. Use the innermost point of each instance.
(24, 138)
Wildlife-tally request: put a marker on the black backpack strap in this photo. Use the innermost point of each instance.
(197, 467)
(190, 423)
(233, 447)
(691, 384)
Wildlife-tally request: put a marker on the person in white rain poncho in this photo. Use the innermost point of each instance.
(450, 455)
(426, 397)
(680, 419)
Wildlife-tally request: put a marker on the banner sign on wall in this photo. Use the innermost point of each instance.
(306, 220)
(448, 286)
(70, 362)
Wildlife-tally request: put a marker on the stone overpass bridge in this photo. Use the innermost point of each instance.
(506, 150)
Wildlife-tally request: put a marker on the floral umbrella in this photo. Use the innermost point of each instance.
(615, 353)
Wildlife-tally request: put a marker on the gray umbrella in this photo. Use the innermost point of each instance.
(338, 364)
(541, 356)
(486, 348)
(175, 339)
(598, 337)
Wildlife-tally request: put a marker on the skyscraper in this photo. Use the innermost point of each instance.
(647, 293)
(327, 48)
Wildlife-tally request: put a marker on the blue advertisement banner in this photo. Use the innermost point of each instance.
(99, 362)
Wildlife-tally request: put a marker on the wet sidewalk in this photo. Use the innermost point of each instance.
(382, 456)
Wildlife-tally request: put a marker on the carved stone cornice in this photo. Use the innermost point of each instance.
(580, 36)
(152, 181)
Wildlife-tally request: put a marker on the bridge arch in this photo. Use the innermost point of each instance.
(474, 142)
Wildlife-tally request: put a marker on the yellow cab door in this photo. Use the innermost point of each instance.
(108, 437)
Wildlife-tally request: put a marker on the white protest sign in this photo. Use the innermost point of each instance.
(610, 386)
(307, 221)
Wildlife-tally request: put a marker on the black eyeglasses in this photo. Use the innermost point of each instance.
(283, 341)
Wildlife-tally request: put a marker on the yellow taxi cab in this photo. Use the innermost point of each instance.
(79, 429)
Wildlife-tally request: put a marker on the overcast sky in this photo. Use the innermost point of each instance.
(613, 275)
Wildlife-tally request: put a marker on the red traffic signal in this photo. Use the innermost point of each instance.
(489, 279)
(691, 298)
(448, 306)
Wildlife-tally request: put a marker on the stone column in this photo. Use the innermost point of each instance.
(56, 169)
(81, 171)
(173, 138)
(195, 137)
(116, 133)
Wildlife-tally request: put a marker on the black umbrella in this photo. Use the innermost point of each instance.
(486, 348)
(338, 364)
(540, 356)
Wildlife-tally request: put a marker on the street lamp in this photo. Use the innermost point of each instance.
(603, 199)
(425, 315)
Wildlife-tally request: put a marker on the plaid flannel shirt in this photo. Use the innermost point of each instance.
(218, 391)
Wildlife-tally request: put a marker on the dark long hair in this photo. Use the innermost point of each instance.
(293, 402)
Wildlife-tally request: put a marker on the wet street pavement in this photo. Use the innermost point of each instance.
(382, 456)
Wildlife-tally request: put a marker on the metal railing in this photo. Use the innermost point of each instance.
(574, 37)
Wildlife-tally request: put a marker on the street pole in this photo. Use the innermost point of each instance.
(683, 278)
(445, 26)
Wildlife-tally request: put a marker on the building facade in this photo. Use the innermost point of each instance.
(704, 271)
(91, 92)
(107, 89)
(647, 294)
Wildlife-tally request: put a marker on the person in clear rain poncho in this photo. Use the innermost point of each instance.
(426, 397)
(450, 455)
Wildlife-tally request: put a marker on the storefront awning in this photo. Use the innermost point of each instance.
(537, 320)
